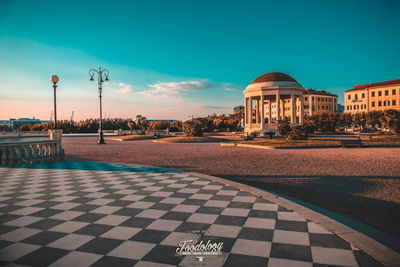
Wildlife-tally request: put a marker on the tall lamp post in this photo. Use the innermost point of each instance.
(100, 74)
(54, 80)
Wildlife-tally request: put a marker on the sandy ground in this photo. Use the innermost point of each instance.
(363, 183)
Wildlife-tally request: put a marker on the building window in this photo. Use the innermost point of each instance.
(355, 96)
(363, 95)
(305, 98)
(373, 104)
(373, 94)
(393, 91)
(379, 104)
(393, 102)
(349, 97)
(312, 99)
(388, 102)
(379, 93)
(386, 92)
(384, 103)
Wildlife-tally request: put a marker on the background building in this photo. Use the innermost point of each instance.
(15, 124)
(374, 96)
(317, 102)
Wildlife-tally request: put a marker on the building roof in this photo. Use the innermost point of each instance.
(364, 86)
(274, 77)
(320, 92)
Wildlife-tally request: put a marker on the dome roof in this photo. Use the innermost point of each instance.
(274, 77)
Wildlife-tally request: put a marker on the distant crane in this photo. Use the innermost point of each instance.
(72, 116)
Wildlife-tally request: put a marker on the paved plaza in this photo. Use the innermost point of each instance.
(81, 213)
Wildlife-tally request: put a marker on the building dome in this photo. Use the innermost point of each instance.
(274, 77)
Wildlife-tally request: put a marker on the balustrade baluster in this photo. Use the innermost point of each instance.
(27, 155)
(4, 156)
(11, 156)
(18, 155)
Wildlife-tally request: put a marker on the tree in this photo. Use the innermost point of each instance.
(392, 120)
(176, 126)
(159, 125)
(141, 125)
(347, 119)
(360, 119)
(193, 127)
(374, 118)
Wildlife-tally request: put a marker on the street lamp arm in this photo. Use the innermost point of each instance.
(92, 72)
(105, 71)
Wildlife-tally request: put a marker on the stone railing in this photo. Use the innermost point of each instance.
(30, 152)
(23, 133)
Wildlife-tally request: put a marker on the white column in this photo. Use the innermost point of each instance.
(246, 112)
(262, 112)
(250, 111)
(278, 106)
(269, 110)
(302, 109)
(257, 110)
(293, 117)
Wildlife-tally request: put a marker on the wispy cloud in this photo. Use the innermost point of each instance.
(231, 89)
(228, 87)
(174, 90)
(124, 88)
(208, 107)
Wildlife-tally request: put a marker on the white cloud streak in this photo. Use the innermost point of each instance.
(164, 90)
(124, 88)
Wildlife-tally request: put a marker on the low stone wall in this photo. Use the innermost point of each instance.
(30, 152)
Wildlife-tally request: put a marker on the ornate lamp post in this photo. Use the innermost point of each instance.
(54, 80)
(100, 80)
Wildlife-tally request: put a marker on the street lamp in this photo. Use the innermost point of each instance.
(100, 80)
(54, 80)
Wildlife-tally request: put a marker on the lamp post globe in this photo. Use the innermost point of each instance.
(54, 80)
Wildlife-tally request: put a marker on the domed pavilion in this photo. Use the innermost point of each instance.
(272, 96)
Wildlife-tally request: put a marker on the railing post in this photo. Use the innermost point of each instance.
(57, 136)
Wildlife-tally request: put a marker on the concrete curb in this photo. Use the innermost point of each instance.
(378, 251)
(303, 147)
(279, 147)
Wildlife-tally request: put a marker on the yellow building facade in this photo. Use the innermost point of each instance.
(318, 102)
(373, 97)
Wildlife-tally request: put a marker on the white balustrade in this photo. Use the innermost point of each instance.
(30, 152)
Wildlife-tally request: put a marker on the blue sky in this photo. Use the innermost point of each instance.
(173, 59)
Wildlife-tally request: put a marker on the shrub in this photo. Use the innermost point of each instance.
(36, 127)
(5, 127)
(193, 127)
(283, 127)
(25, 127)
(298, 132)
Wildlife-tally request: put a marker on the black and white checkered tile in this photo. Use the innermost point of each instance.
(103, 214)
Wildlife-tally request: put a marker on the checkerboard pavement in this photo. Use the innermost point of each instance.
(107, 214)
